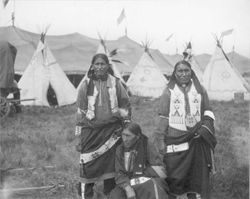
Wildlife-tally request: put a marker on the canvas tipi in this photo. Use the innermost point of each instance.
(196, 68)
(43, 72)
(147, 79)
(221, 79)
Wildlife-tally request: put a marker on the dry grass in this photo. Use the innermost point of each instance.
(45, 136)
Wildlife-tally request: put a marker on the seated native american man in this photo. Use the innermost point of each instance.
(139, 170)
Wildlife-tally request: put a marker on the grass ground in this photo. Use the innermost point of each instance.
(40, 136)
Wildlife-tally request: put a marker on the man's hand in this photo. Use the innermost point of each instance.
(159, 143)
(130, 192)
(162, 146)
(123, 112)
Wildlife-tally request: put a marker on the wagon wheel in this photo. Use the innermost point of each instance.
(4, 107)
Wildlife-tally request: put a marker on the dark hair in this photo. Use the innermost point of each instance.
(95, 57)
(134, 128)
(90, 74)
(100, 55)
(183, 62)
(172, 80)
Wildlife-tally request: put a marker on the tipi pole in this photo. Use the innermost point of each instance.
(13, 13)
(126, 26)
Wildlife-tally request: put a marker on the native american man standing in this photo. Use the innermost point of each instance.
(185, 134)
(103, 105)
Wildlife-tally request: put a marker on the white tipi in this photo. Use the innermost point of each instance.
(42, 71)
(221, 79)
(196, 68)
(146, 79)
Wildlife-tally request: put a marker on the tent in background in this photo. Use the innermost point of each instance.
(188, 56)
(147, 79)
(44, 75)
(221, 79)
(196, 68)
(74, 51)
(173, 59)
(130, 53)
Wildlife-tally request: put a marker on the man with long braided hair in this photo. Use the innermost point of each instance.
(103, 106)
(140, 173)
(185, 134)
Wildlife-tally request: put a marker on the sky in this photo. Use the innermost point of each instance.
(146, 20)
